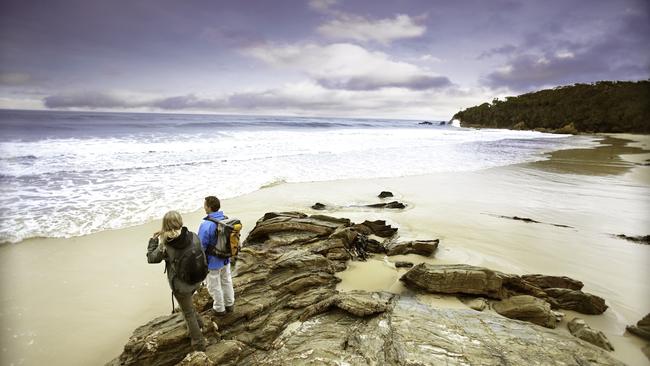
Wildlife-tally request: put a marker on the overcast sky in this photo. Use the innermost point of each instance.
(360, 58)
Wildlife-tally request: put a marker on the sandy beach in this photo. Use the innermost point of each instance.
(77, 300)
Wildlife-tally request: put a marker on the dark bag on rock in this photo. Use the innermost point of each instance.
(191, 266)
(228, 237)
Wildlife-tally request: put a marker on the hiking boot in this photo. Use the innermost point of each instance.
(217, 313)
(199, 346)
(230, 309)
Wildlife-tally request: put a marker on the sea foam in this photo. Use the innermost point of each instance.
(92, 172)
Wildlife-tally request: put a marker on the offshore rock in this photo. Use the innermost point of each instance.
(527, 308)
(288, 312)
(403, 264)
(393, 204)
(642, 327)
(318, 206)
(543, 281)
(580, 329)
(579, 301)
(421, 247)
(385, 194)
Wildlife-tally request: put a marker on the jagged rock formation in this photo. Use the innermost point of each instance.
(580, 329)
(288, 312)
(577, 300)
(472, 280)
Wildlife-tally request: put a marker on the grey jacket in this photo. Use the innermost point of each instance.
(173, 249)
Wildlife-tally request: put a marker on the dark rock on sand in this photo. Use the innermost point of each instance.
(385, 194)
(427, 123)
(642, 327)
(527, 308)
(577, 300)
(543, 281)
(581, 330)
(318, 206)
(393, 204)
(421, 247)
(637, 239)
(403, 264)
(288, 312)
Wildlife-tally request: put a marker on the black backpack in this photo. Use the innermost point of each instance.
(191, 266)
(227, 234)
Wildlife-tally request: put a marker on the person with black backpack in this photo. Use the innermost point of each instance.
(186, 268)
(219, 278)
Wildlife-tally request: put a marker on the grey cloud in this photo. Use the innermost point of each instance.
(189, 101)
(503, 50)
(92, 100)
(422, 82)
(621, 55)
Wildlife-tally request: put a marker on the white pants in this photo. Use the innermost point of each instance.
(220, 288)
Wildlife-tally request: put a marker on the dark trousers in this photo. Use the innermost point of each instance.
(191, 317)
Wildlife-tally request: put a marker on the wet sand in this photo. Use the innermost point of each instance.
(76, 301)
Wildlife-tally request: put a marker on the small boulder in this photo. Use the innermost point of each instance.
(403, 264)
(577, 300)
(527, 308)
(426, 123)
(642, 327)
(385, 194)
(421, 247)
(478, 304)
(581, 330)
(318, 206)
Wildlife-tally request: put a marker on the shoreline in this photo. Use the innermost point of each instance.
(88, 282)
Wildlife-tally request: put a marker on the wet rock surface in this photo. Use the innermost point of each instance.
(642, 327)
(288, 312)
(580, 329)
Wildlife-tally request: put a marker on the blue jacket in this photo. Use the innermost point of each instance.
(206, 234)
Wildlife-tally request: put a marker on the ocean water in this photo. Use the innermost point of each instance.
(65, 174)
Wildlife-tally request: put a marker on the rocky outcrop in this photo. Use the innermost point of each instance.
(420, 247)
(466, 279)
(580, 329)
(288, 312)
(642, 327)
(543, 281)
(527, 308)
(577, 300)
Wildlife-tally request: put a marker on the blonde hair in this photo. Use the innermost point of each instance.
(171, 227)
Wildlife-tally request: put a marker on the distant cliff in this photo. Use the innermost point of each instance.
(606, 106)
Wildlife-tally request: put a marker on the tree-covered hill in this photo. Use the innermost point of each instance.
(606, 106)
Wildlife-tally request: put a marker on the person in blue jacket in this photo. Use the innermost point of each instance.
(219, 279)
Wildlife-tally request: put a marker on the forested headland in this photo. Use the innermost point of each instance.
(605, 106)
